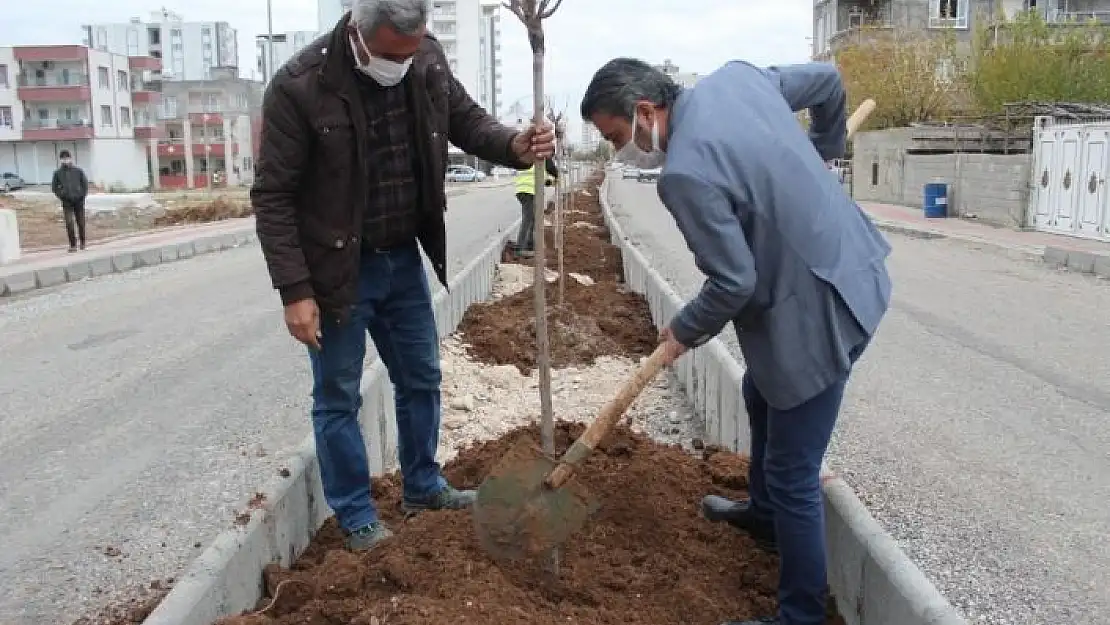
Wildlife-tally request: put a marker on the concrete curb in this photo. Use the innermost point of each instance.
(1078, 260)
(77, 269)
(873, 580)
(227, 578)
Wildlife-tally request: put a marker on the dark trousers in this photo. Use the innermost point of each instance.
(526, 238)
(74, 213)
(395, 308)
(785, 488)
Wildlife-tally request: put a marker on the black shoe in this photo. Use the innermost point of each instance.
(766, 620)
(72, 249)
(447, 499)
(739, 515)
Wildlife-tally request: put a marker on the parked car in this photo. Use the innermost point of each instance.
(10, 182)
(464, 173)
(630, 173)
(649, 175)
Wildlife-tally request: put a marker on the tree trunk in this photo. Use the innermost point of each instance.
(560, 225)
(543, 359)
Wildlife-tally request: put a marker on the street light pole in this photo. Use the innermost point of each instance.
(269, 40)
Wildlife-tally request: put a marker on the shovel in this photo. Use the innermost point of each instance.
(526, 507)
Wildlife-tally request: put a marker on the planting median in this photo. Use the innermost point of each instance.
(645, 558)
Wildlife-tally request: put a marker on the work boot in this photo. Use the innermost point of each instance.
(72, 249)
(366, 538)
(739, 515)
(766, 620)
(449, 498)
(82, 246)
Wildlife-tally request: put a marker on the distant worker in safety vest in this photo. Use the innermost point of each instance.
(526, 194)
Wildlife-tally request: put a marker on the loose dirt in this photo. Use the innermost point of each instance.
(603, 318)
(646, 558)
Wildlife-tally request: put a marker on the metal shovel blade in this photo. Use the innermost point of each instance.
(517, 516)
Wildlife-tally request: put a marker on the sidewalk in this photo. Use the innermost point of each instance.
(53, 267)
(1083, 255)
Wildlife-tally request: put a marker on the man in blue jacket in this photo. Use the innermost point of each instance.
(789, 259)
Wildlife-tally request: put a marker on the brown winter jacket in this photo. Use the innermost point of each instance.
(309, 194)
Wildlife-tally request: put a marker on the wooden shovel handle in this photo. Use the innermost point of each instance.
(607, 419)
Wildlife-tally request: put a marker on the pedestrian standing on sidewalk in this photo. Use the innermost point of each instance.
(349, 186)
(71, 187)
(526, 194)
(789, 259)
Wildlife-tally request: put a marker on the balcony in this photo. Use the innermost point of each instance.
(214, 148)
(144, 63)
(173, 148)
(54, 87)
(150, 131)
(56, 130)
(206, 118)
(146, 92)
(31, 54)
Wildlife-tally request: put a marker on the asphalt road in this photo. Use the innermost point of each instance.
(975, 427)
(139, 411)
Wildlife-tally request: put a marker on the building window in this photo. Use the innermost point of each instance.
(6, 117)
(948, 14)
(4, 77)
(105, 115)
(154, 36)
(103, 78)
(121, 80)
(124, 117)
(132, 42)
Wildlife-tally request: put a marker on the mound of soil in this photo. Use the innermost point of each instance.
(596, 320)
(602, 319)
(215, 210)
(645, 558)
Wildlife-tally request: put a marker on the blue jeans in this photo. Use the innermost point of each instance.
(784, 482)
(395, 307)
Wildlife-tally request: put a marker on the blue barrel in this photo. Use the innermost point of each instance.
(936, 200)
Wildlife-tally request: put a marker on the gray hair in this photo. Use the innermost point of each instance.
(405, 16)
(621, 83)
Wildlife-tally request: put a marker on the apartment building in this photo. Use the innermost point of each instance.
(685, 79)
(188, 50)
(285, 45)
(208, 131)
(489, 51)
(838, 23)
(95, 104)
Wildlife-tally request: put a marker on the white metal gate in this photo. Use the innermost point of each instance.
(1070, 164)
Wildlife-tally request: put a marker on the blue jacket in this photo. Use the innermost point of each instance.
(788, 256)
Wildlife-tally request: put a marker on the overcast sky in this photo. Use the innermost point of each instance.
(697, 35)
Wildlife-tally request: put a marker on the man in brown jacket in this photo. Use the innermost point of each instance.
(350, 177)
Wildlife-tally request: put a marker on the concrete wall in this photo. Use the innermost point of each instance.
(994, 188)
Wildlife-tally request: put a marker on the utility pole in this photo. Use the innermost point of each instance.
(269, 41)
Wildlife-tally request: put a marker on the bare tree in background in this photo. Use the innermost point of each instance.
(532, 13)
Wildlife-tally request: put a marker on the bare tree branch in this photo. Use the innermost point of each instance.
(549, 12)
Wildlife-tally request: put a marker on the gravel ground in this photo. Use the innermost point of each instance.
(482, 401)
(975, 426)
(139, 412)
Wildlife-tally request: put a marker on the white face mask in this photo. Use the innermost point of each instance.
(385, 72)
(633, 154)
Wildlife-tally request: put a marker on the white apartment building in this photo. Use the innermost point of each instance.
(95, 104)
(684, 79)
(489, 51)
(591, 137)
(285, 46)
(188, 50)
